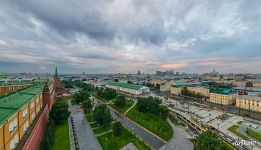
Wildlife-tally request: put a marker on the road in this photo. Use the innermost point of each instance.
(144, 135)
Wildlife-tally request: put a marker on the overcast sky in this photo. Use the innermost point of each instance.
(111, 36)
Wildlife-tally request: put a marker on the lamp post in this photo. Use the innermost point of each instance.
(106, 142)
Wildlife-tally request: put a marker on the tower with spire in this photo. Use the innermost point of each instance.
(56, 76)
(58, 85)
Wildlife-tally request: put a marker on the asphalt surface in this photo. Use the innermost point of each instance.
(144, 135)
(85, 136)
(153, 141)
(179, 141)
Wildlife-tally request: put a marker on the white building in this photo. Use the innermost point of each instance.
(128, 88)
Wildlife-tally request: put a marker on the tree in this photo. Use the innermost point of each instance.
(87, 105)
(107, 93)
(164, 111)
(81, 96)
(149, 104)
(49, 135)
(59, 112)
(117, 129)
(102, 115)
(209, 141)
(120, 101)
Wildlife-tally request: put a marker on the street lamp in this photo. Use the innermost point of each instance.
(106, 142)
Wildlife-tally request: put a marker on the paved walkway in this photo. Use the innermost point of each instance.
(103, 133)
(85, 135)
(179, 140)
(135, 102)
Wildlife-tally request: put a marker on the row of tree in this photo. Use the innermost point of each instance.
(81, 96)
(107, 93)
(79, 84)
(103, 117)
(152, 105)
(58, 116)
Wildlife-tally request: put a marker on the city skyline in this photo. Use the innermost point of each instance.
(116, 36)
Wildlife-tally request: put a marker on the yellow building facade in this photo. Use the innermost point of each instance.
(18, 112)
(175, 90)
(222, 99)
(201, 90)
(252, 102)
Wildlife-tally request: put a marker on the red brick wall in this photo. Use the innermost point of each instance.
(34, 139)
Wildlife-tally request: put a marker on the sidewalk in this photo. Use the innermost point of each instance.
(179, 140)
(86, 138)
(135, 102)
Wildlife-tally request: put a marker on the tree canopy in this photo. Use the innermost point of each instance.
(163, 111)
(107, 93)
(210, 141)
(120, 101)
(149, 104)
(87, 105)
(59, 112)
(102, 115)
(117, 129)
(81, 96)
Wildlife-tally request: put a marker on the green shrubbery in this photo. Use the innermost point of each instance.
(102, 115)
(120, 101)
(210, 141)
(58, 116)
(81, 96)
(152, 105)
(107, 93)
(117, 129)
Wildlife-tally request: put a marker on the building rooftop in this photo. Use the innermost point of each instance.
(223, 91)
(252, 95)
(5, 114)
(10, 104)
(14, 83)
(126, 85)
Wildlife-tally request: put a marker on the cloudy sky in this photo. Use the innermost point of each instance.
(111, 36)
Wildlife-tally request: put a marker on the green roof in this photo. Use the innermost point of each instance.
(126, 85)
(223, 91)
(12, 103)
(5, 113)
(180, 85)
(14, 83)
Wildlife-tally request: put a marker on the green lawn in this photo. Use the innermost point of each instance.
(118, 142)
(103, 129)
(101, 99)
(151, 122)
(233, 130)
(61, 140)
(255, 135)
(128, 104)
